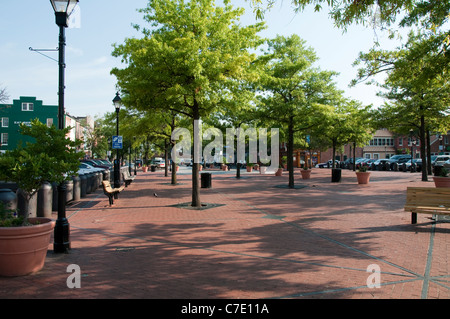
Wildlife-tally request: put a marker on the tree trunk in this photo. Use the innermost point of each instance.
(174, 173)
(428, 166)
(422, 149)
(290, 152)
(166, 159)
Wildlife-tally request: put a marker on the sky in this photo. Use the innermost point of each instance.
(90, 87)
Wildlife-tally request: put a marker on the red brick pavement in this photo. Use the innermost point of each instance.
(265, 241)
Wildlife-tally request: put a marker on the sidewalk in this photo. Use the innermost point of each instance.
(254, 239)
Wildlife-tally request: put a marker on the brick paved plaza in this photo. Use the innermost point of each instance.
(254, 239)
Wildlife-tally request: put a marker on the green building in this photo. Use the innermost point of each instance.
(23, 110)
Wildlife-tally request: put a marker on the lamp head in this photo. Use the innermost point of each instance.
(117, 101)
(63, 9)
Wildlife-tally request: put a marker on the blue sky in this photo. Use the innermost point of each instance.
(89, 86)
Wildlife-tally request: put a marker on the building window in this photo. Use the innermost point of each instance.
(5, 121)
(367, 155)
(27, 107)
(49, 122)
(376, 156)
(4, 139)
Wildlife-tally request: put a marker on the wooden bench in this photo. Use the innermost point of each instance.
(127, 178)
(110, 192)
(427, 200)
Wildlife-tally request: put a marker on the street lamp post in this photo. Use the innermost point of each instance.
(63, 9)
(117, 103)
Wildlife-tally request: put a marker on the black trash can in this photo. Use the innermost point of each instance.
(206, 180)
(153, 168)
(336, 175)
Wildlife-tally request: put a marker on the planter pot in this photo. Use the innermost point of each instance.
(279, 172)
(249, 168)
(306, 174)
(363, 177)
(441, 181)
(23, 249)
(144, 169)
(262, 169)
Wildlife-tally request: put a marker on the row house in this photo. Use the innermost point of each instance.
(24, 110)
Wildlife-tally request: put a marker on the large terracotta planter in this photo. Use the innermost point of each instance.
(23, 249)
(144, 169)
(306, 173)
(262, 170)
(279, 172)
(363, 177)
(249, 168)
(441, 181)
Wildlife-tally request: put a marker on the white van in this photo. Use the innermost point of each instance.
(440, 160)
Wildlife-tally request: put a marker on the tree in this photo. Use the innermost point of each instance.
(430, 14)
(417, 85)
(291, 89)
(51, 158)
(187, 60)
(4, 96)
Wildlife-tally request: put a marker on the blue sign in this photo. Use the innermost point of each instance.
(117, 142)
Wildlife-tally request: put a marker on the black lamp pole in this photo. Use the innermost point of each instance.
(117, 102)
(62, 9)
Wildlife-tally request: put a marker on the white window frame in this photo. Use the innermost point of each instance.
(2, 139)
(49, 122)
(5, 119)
(27, 107)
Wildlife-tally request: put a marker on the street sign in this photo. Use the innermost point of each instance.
(117, 142)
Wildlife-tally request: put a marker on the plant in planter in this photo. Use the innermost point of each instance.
(362, 175)
(51, 158)
(306, 172)
(279, 171)
(443, 180)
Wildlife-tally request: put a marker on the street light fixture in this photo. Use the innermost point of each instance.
(117, 101)
(63, 9)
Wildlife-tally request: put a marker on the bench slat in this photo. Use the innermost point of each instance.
(427, 200)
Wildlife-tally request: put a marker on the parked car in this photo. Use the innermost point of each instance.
(85, 168)
(96, 163)
(447, 164)
(380, 164)
(350, 161)
(440, 160)
(328, 164)
(158, 162)
(399, 159)
(417, 164)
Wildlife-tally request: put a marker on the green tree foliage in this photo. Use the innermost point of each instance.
(52, 157)
(416, 85)
(292, 89)
(187, 61)
(430, 14)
